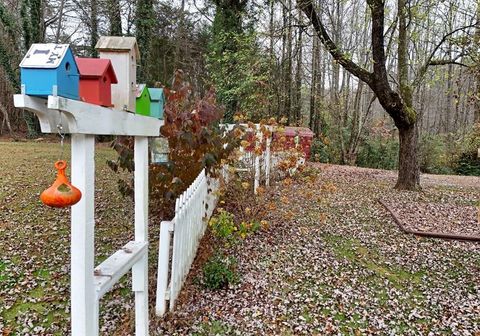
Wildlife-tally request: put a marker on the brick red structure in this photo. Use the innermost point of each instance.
(96, 77)
(296, 136)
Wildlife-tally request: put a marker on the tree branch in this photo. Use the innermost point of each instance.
(424, 68)
(445, 62)
(307, 7)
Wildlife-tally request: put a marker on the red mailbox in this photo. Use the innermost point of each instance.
(96, 77)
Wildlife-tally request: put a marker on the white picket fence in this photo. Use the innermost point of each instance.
(192, 210)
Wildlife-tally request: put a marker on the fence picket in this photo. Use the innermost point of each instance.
(189, 225)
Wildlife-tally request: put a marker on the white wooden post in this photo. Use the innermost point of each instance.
(140, 268)
(268, 160)
(163, 262)
(84, 306)
(84, 121)
(256, 183)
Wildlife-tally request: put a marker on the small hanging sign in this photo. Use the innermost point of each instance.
(45, 55)
(159, 150)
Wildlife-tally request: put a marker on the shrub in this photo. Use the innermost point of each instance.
(379, 152)
(468, 162)
(223, 226)
(238, 199)
(323, 150)
(220, 271)
(435, 154)
(195, 142)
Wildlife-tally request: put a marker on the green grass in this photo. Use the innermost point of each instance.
(355, 252)
(38, 237)
(212, 328)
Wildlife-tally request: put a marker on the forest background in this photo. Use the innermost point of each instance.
(265, 59)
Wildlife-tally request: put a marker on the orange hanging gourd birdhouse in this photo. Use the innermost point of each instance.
(62, 193)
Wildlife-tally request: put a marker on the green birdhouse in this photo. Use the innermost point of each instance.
(142, 105)
(157, 102)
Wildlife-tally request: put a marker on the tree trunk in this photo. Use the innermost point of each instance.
(180, 36)
(288, 65)
(476, 113)
(59, 24)
(115, 17)
(93, 27)
(408, 167)
(313, 86)
(298, 75)
(6, 119)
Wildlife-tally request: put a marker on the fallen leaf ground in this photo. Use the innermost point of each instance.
(35, 241)
(332, 262)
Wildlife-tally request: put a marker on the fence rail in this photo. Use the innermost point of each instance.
(192, 210)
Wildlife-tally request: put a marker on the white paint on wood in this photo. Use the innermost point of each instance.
(125, 65)
(83, 306)
(84, 118)
(268, 159)
(118, 264)
(163, 263)
(44, 55)
(193, 208)
(124, 54)
(84, 121)
(140, 269)
(48, 119)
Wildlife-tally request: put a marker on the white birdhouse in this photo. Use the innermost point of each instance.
(124, 54)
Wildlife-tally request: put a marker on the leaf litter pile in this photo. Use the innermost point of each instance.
(332, 260)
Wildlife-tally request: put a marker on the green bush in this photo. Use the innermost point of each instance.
(321, 152)
(380, 153)
(223, 225)
(220, 271)
(436, 154)
(468, 162)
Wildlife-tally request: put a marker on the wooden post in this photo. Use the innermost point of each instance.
(140, 269)
(268, 160)
(163, 262)
(84, 121)
(258, 140)
(84, 306)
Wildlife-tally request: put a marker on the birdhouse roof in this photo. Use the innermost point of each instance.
(156, 93)
(118, 43)
(139, 90)
(96, 67)
(45, 55)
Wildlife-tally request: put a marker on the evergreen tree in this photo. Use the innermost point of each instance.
(144, 23)
(32, 24)
(227, 31)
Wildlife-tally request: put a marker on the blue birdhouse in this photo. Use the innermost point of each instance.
(157, 102)
(49, 65)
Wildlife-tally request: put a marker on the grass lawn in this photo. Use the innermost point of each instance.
(35, 240)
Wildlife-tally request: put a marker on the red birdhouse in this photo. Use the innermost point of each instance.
(96, 77)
